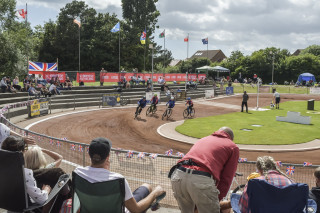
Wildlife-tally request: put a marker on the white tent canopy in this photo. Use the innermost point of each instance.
(214, 69)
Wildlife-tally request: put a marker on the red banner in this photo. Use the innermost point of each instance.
(86, 77)
(49, 75)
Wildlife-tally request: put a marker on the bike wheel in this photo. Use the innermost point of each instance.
(169, 113)
(148, 111)
(164, 114)
(192, 113)
(185, 113)
(154, 109)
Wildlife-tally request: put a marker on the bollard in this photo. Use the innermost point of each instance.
(50, 104)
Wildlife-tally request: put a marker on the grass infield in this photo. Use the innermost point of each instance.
(271, 132)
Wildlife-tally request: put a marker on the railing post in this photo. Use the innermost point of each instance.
(74, 102)
(50, 104)
(84, 156)
(8, 113)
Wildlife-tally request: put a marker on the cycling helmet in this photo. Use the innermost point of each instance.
(155, 95)
(144, 97)
(188, 98)
(172, 98)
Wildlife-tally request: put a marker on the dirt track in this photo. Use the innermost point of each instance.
(141, 135)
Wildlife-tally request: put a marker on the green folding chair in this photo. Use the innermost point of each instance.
(100, 197)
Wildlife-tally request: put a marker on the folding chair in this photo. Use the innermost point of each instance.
(13, 195)
(106, 197)
(264, 197)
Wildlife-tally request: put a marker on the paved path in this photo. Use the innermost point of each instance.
(168, 130)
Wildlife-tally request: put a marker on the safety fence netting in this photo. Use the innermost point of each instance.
(141, 167)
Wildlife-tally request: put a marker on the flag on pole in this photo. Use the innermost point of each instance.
(279, 163)
(186, 39)
(307, 164)
(21, 13)
(40, 66)
(143, 37)
(76, 21)
(241, 160)
(162, 35)
(116, 28)
(205, 40)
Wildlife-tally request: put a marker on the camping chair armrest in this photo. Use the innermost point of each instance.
(63, 180)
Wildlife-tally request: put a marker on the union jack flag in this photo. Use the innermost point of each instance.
(87, 148)
(153, 156)
(21, 13)
(39, 66)
(169, 152)
(58, 144)
(307, 164)
(50, 142)
(290, 170)
(129, 154)
(80, 148)
(279, 163)
(141, 155)
(180, 154)
(241, 160)
(73, 147)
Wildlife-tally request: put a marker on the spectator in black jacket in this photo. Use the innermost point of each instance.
(315, 191)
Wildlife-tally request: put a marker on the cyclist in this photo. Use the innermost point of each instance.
(141, 103)
(190, 105)
(154, 101)
(171, 103)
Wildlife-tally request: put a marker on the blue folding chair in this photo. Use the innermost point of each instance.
(266, 198)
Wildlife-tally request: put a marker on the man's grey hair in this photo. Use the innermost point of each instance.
(228, 130)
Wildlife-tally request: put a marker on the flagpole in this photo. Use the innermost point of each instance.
(164, 50)
(27, 52)
(188, 47)
(79, 48)
(57, 64)
(119, 48)
(207, 50)
(145, 44)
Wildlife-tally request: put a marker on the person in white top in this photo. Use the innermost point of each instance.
(276, 96)
(99, 151)
(5, 132)
(36, 195)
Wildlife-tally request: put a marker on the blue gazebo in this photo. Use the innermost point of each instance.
(306, 77)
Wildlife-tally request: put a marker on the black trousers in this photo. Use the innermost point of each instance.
(244, 103)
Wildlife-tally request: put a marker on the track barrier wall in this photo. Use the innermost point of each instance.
(136, 167)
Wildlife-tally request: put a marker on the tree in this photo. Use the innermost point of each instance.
(313, 49)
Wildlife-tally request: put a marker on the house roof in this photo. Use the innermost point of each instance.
(174, 62)
(297, 52)
(213, 55)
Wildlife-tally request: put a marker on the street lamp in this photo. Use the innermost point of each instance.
(272, 68)
(151, 47)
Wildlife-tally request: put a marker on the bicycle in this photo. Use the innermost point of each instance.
(167, 113)
(137, 112)
(190, 115)
(151, 109)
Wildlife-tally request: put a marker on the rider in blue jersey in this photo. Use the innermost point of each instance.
(190, 105)
(171, 103)
(141, 103)
(154, 101)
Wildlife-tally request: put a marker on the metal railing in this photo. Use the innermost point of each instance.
(152, 168)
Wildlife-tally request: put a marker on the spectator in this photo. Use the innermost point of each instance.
(269, 171)
(149, 88)
(36, 195)
(3, 85)
(68, 83)
(99, 152)
(149, 82)
(35, 159)
(134, 78)
(102, 72)
(26, 83)
(11, 88)
(33, 92)
(245, 98)
(6, 132)
(53, 89)
(15, 83)
(204, 175)
(315, 191)
(44, 91)
(160, 80)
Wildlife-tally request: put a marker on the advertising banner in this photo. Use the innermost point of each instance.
(112, 99)
(38, 107)
(229, 91)
(314, 90)
(149, 95)
(86, 77)
(49, 75)
(209, 93)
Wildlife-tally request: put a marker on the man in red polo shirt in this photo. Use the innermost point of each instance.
(204, 175)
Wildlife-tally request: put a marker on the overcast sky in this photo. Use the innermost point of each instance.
(245, 25)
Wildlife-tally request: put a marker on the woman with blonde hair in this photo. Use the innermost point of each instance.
(270, 172)
(35, 159)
